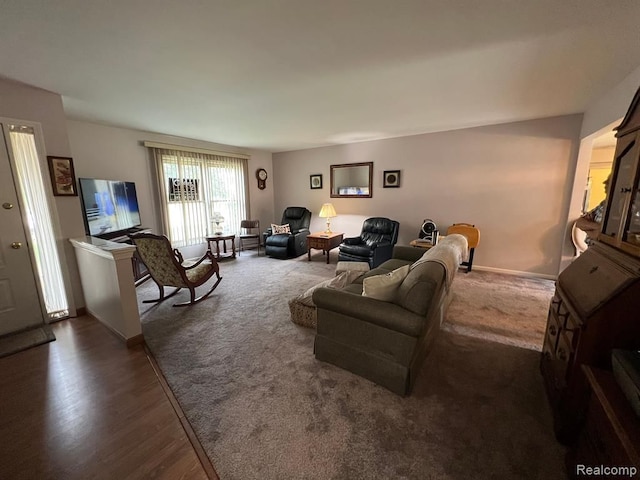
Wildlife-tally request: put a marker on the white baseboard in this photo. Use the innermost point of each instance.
(516, 273)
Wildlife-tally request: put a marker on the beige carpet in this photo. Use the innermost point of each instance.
(501, 308)
(264, 408)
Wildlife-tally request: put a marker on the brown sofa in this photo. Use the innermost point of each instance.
(387, 341)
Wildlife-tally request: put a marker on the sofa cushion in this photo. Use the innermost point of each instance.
(420, 287)
(355, 287)
(393, 263)
(384, 287)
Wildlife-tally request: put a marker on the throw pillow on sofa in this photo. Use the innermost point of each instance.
(280, 228)
(384, 287)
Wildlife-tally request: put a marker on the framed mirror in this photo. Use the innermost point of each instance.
(351, 180)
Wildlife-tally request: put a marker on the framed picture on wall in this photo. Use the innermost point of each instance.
(315, 181)
(63, 177)
(391, 179)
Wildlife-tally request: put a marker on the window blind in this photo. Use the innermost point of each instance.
(197, 188)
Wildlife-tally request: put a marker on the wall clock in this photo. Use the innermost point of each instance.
(261, 175)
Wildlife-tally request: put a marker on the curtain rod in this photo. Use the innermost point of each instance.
(183, 148)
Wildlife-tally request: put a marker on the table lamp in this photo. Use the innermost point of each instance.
(217, 218)
(327, 211)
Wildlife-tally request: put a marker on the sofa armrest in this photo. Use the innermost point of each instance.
(384, 314)
(410, 254)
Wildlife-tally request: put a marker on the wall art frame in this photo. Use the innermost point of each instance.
(391, 179)
(63, 176)
(315, 181)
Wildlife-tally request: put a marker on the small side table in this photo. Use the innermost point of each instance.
(323, 241)
(216, 239)
(423, 244)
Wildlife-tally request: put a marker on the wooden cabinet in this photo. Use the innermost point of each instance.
(596, 306)
(610, 436)
(594, 310)
(621, 225)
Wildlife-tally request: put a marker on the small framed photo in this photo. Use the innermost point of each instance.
(391, 179)
(63, 177)
(315, 181)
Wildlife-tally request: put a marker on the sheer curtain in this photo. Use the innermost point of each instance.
(38, 217)
(198, 188)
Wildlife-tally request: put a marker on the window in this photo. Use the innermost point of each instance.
(39, 224)
(197, 191)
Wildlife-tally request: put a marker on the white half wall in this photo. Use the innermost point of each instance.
(513, 181)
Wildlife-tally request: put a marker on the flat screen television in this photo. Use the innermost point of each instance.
(109, 207)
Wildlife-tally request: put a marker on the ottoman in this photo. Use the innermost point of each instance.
(302, 308)
(343, 266)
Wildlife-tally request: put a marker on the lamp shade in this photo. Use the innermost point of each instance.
(327, 211)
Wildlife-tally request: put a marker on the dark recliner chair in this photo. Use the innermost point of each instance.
(374, 245)
(289, 245)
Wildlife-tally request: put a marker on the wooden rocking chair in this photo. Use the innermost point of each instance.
(166, 268)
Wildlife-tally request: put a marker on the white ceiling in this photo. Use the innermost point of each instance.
(281, 75)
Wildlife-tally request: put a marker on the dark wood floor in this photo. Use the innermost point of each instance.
(85, 406)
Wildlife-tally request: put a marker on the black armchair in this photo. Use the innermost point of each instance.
(288, 245)
(375, 243)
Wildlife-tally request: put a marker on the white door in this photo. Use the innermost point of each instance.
(20, 305)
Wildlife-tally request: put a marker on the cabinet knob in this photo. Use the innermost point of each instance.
(625, 190)
(562, 355)
(553, 330)
(7, 205)
(16, 245)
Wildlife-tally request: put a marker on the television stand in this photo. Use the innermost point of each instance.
(140, 272)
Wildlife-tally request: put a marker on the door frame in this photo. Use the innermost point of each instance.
(580, 177)
(51, 200)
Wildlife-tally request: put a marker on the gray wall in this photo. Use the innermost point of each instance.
(104, 152)
(118, 154)
(513, 181)
(23, 102)
(610, 106)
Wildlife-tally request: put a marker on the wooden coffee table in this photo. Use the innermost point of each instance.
(323, 241)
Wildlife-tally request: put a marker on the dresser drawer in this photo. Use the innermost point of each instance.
(317, 243)
(553, 330)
